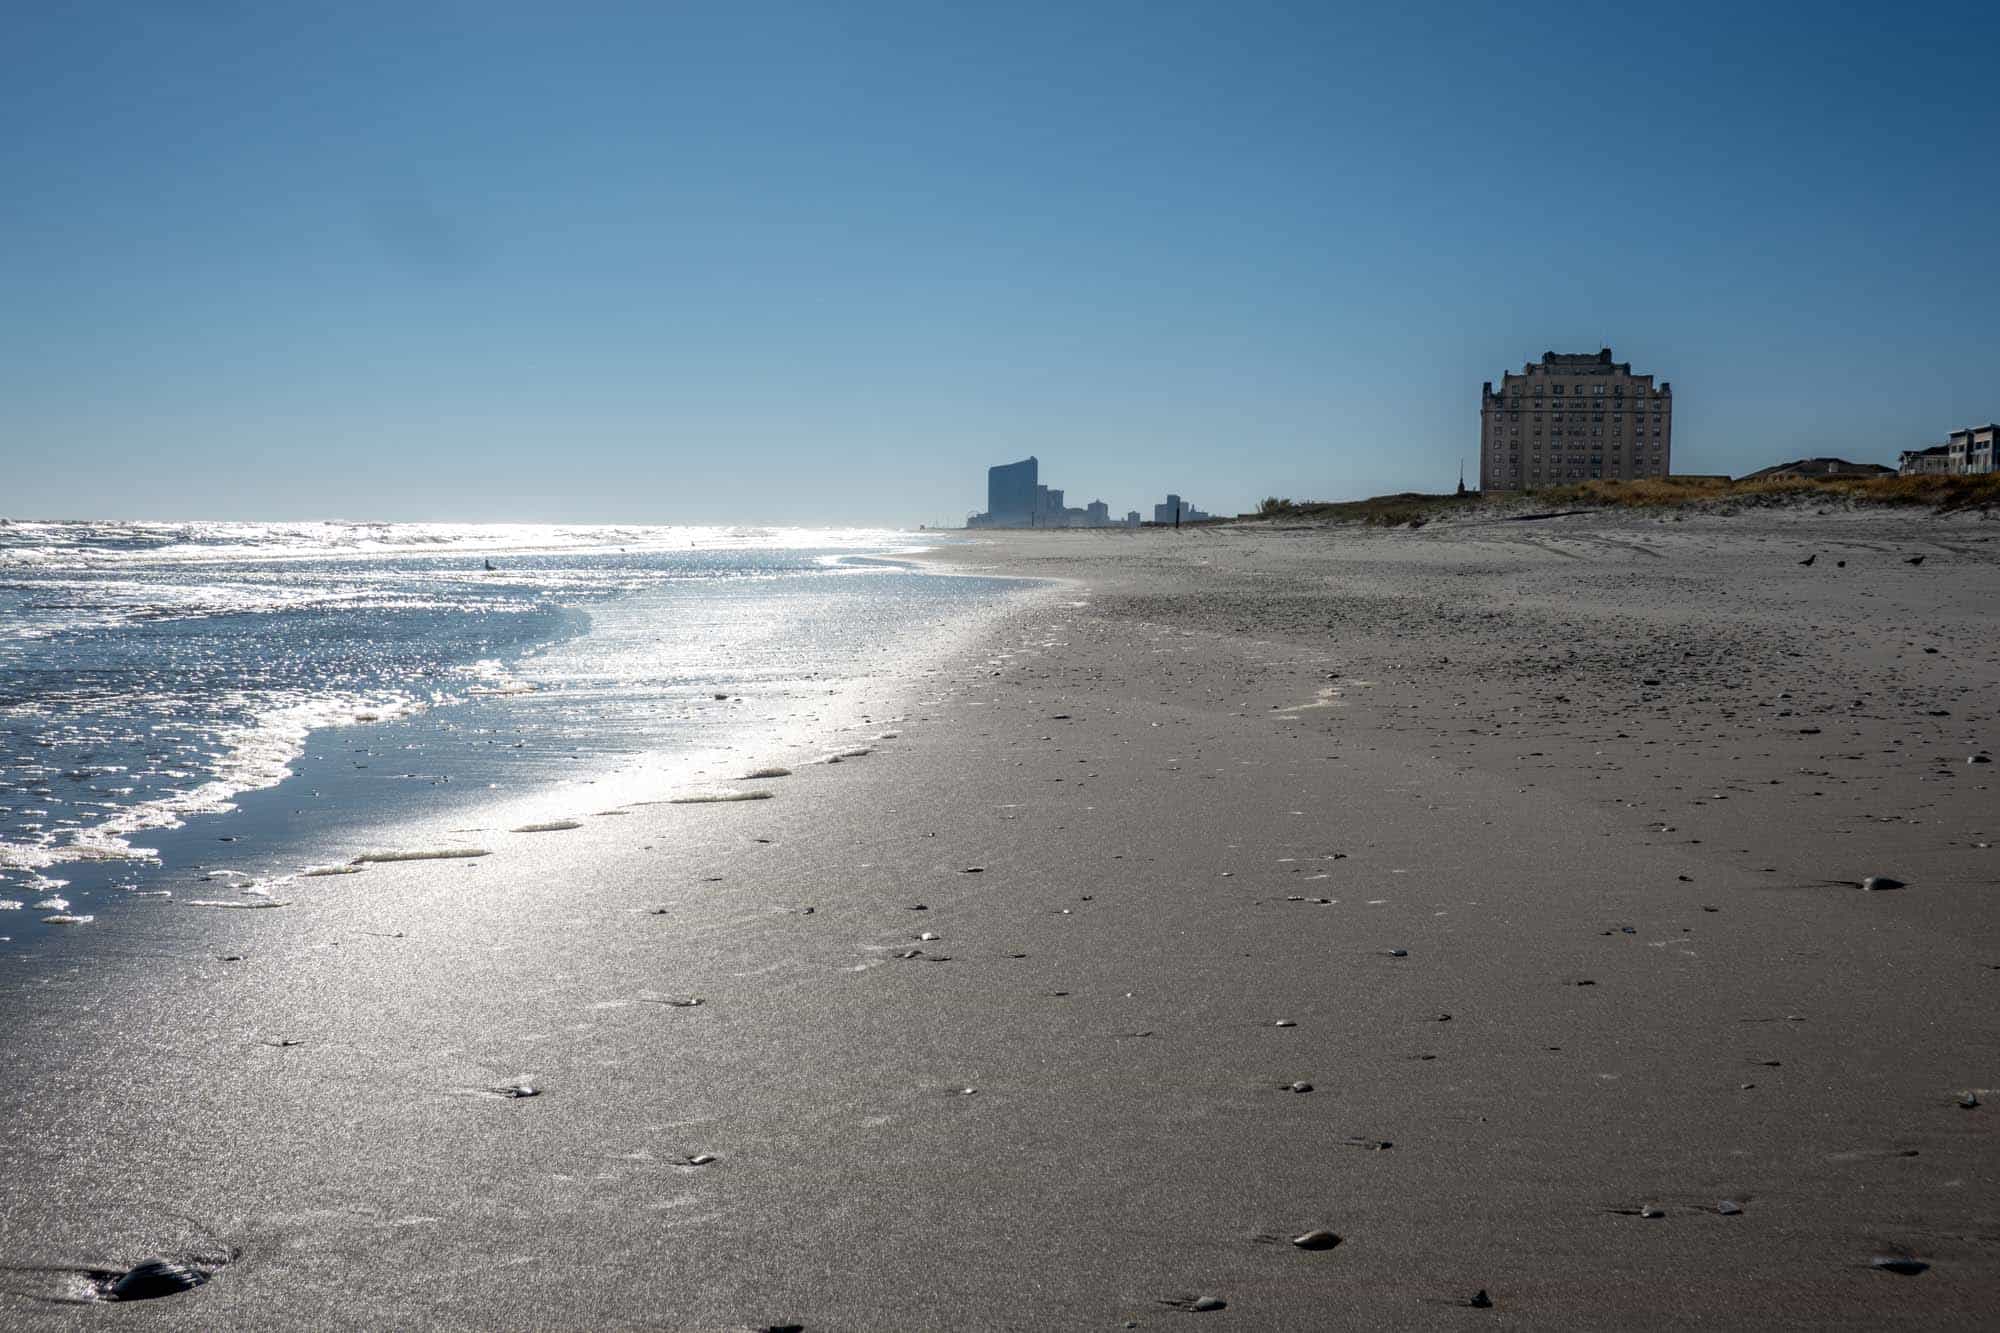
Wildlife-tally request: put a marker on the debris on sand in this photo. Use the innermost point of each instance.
(553, 826)
(1881, 884)
(420, 854)
(718, 797)
(1316, 1240)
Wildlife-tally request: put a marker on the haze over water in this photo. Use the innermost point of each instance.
(198, 710)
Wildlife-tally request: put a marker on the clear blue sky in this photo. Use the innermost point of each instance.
(825, 262)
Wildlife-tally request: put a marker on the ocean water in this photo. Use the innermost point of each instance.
(203, 711)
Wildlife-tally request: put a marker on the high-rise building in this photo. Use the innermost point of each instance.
(1177, 510)
(1574, 417)
(1011, 492)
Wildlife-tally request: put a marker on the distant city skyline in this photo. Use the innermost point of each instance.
(822, 264)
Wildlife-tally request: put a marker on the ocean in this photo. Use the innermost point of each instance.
(204, 711)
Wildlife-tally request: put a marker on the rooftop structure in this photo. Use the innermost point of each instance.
(1820, 467)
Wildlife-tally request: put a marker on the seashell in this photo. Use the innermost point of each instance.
(153, 1278)
(1316, 1240)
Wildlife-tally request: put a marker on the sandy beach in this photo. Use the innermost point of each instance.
(1487, 895)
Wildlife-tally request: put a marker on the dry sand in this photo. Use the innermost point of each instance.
(1533, 848)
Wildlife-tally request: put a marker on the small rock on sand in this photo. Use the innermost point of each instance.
(1902, 1265)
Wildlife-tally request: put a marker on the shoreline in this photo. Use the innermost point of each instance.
(279, 804)
(1119, 809)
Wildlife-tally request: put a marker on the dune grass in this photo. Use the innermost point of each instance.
(1411, 508)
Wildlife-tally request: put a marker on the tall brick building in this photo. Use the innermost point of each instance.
(1572, 417)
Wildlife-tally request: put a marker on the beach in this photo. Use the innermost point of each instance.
(1488, 895)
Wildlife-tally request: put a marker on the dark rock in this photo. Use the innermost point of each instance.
(153, 1278)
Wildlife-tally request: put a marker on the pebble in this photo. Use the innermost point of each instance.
(1729, 1208)
(1316, 1240)
(1397, 953)
(1968, 1100)
(1880, 883)
(1301, 1086)
(1284, 1023)
(1203, 1304)
(153, 1278)
(701, 1159)
(1902, 1265)
(517, 1091)
(1652, 1210)
(1480, 1300)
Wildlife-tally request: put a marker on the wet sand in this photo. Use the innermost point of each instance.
(1506, 839)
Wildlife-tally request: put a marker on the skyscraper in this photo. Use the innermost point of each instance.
(1011, 492)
